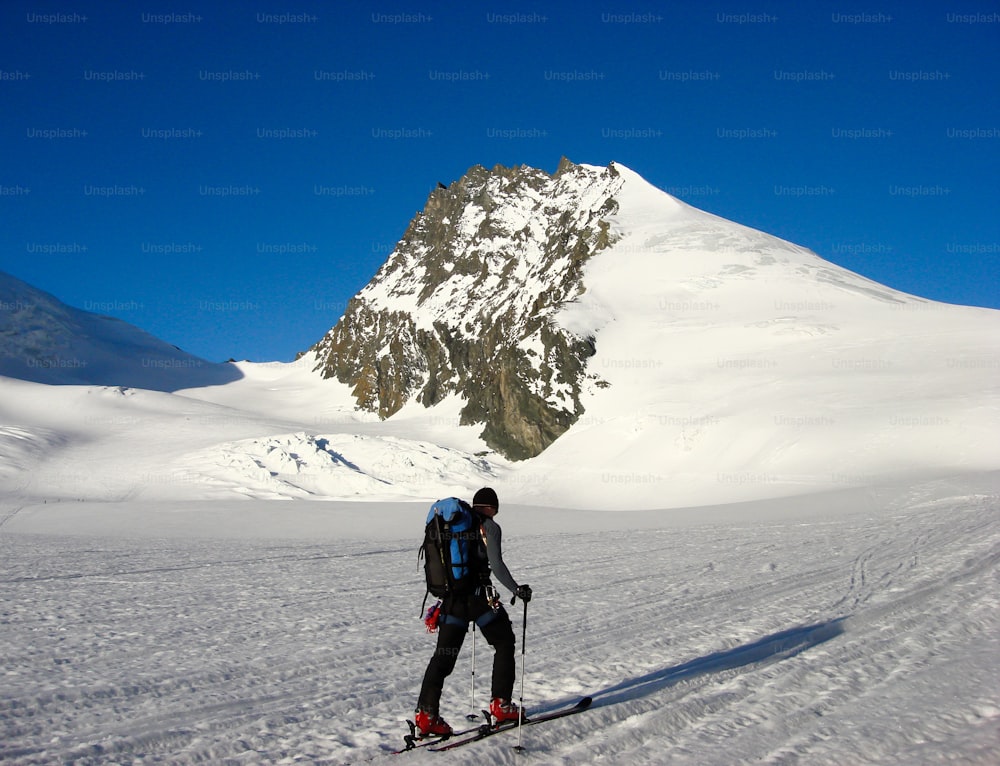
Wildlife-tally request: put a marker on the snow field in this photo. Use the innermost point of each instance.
(859, 633)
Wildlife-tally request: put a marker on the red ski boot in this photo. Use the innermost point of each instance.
(504, 710)
(432, 725)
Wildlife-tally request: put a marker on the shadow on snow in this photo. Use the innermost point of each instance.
(777, 646)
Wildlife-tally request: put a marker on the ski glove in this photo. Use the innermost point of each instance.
(523, 592)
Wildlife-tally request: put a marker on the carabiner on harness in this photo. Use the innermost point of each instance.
(493, 598)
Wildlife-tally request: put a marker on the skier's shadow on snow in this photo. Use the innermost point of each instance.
(777, 646)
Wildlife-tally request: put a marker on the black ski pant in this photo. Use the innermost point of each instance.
(496, 628)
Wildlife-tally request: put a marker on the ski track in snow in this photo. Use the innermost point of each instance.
(782, 642)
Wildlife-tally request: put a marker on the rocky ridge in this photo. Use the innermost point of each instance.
(465, 305)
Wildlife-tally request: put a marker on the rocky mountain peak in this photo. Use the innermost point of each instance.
(465, 304)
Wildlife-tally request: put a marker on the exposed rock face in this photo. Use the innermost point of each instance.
(465, 305)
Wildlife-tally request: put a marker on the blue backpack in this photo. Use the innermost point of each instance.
(451, 553)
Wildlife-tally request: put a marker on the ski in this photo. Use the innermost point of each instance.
(414, 741)
(482, 732)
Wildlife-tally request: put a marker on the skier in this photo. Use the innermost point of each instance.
(480, 605)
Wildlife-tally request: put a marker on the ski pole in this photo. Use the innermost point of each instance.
(520, 713)
(472, 702)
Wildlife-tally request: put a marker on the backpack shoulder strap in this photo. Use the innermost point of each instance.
(482, 533)
(484, 570)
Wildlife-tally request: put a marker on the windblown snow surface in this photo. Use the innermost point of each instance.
(858, 627)
(847, 628)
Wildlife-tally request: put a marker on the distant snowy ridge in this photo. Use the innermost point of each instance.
(45, 341)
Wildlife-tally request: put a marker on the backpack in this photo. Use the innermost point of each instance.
(452, 560)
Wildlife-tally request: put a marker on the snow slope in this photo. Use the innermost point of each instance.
(114, 444)
(858, 627)
(44, 340)
(740, 365)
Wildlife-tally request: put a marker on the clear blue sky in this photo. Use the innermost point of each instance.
(226, 177)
